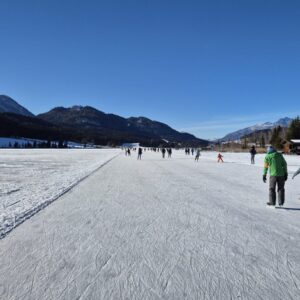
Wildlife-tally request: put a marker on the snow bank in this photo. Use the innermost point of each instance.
(31, 179)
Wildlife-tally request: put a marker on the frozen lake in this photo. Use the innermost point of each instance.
(153, 229)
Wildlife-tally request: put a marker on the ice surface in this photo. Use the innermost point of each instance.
(159, 229)
(31, 179)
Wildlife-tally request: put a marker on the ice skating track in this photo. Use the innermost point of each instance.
(157, 229)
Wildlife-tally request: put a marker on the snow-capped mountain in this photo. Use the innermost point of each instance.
(9, 105)
(236, 135)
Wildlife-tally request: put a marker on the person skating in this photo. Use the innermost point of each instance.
(163, 152)
(169, 153)
(198, 153)
(253, 153)
(220, 158)
(296, 173)
(140, 152)
(278, 175)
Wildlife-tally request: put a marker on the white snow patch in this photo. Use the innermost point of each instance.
(31, 179)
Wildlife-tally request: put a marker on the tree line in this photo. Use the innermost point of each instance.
(36, 144)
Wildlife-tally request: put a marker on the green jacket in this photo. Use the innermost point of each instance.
(277, 164)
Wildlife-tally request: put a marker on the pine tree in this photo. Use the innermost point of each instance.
(245, 144)
(262, 142)
(276, 139)
(294, 129)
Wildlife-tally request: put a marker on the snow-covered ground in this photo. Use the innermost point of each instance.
(31, 179)
(159, 229)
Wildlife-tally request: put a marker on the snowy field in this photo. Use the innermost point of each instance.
(157, 229)
(31, 179)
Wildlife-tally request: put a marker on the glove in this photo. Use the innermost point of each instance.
(264, 178)
(285, 176)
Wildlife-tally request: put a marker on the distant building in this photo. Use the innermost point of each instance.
(295, 146)
(130, 145)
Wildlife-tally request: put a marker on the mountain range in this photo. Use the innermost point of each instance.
(237, 135)
(87, 124)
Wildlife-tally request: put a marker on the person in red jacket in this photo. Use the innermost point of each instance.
(220, 157)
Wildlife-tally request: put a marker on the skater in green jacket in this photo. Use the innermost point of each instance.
(276, 163)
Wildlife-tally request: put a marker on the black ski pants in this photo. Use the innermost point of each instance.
(279, 181)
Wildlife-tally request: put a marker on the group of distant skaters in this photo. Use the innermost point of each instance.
(164, 151)
(140, 151)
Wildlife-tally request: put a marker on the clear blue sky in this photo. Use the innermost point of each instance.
(207, 67)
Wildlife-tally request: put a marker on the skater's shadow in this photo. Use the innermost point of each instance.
(288, 208)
